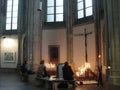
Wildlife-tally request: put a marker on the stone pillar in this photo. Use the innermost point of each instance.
(25, 31)
(2, 21)
(98, 38)
(30, 32)
(33, 32)
(112, 26)
(37, 33)
(69, 26)
(20, 31)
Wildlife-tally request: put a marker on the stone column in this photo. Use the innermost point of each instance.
(112, 26)
(69, 27)
(30, 29)
(20, 31)
(37, 31)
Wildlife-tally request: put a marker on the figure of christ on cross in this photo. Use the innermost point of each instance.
(85, 34)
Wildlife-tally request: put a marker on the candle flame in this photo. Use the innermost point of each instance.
(50, 65)
(82, 69)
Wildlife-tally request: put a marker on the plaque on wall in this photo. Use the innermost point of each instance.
(9, 56)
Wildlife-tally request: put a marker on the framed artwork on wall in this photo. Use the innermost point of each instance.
(10, 57)
(54, 53)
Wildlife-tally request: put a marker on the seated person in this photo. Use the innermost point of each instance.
(41, 70)
(25, 70)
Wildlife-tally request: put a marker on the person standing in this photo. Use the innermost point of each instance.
(68, 73)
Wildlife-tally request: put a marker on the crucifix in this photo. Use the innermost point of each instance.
(85, 34)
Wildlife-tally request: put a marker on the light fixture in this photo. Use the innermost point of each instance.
(8, 42)
(40, 6)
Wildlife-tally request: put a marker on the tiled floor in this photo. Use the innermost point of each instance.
(11, 80)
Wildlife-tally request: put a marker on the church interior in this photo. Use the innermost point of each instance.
(85, 33)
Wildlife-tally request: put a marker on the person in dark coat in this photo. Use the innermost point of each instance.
(25, 70)
(24, 67)
(67, 72)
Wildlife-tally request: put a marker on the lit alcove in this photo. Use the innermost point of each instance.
(9, 49)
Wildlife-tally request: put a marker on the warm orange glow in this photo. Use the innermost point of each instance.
(50, 66)
(77, 74)
(82, 69)
(99, 56)
(109, 67)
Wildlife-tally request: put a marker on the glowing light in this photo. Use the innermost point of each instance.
(50, 66)
(99, 56)
(82, 69)
(77, 74)
(109, 67)
(7, 42)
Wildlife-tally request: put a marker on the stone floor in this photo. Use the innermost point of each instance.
(11, 80)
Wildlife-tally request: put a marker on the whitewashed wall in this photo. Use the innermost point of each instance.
(54, 37)
(58, 37)
(9, 45)
(79, 46)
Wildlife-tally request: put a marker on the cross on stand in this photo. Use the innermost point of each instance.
(85, 34)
